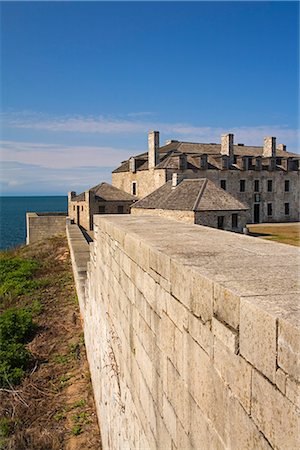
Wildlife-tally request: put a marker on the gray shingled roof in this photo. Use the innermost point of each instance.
(168, 154)
(108, 193)
(198, 194)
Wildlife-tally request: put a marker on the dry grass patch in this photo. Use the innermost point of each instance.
(286, 233)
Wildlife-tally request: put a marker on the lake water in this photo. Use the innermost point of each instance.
(13, 216)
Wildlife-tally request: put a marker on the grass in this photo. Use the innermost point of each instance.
(52, 404)
(283, 233)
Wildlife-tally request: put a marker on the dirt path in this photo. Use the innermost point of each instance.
(53, 408)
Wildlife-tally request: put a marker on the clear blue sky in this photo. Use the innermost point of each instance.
(83, 82)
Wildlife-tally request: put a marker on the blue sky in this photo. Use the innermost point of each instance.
(83, 82)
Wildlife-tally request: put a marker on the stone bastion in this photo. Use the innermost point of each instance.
(192, 335)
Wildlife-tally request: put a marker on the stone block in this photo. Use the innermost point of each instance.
(274, 414)
(201, 296)
(202, 434)
(205, 385)
(170, 418)
(178, 395)
(226, 305)
(226, 335)
(160, 263)
(289, 347)
(242, 431)
(177, 312)
(235, 372)
(280, 380)
(258, 337)
(181, 283)
(293, 391)
(201, 333)
(132, 247)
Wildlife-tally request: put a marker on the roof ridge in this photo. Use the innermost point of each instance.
(200, 194)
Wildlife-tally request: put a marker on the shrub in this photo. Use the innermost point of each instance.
(16, 328)
(15, 276)
(16, 325)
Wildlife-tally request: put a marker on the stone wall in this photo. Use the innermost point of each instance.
(192, 336)
(205, 218)
(82, 212)
(182, 216)
(210, 219)
(278, 197)
(41, 226)
(146, 181)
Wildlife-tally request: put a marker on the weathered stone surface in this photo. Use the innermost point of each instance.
(226, 305)
(274, 414)
(226, 335)
(289, 347)
(235, 372)
(258, 337)
(162, 353)
(293, 391)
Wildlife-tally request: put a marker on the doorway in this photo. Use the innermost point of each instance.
(256, 213)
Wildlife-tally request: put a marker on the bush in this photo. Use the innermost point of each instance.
(15, 276)
(16, 328)
(16, 325)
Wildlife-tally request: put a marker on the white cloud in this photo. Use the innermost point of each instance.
(133, 124)
(61, 156)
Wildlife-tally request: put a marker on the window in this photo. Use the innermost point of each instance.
(134, 188)
(256, 185)
(221, 222)
(82, 208)
(74, 207)
(242, 185)
(269, 208)
(270, 185)
(287, 186)
(223, 184)
(286, 209)
(234, 220)
(120, 209)
(102, 209)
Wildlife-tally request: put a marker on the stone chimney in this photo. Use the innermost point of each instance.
(175, 180)
(153, 146)
(281, 147)
(269, 150)
(132, 164)
(227, 145)
(71, 195)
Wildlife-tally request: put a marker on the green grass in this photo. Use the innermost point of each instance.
(16, 328)
(16, 276)
(5, 427)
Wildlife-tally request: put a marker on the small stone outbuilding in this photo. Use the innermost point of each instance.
(101, 199)
(198, 201)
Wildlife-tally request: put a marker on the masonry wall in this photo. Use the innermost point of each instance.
(278, 197)
(41, 226)
(192, 336)
(146, 181)
(210, 219)
(182, 216)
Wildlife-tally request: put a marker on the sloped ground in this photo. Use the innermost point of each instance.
(285, 233)
(53, 407)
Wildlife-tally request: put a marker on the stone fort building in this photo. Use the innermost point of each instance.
(266, 178)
